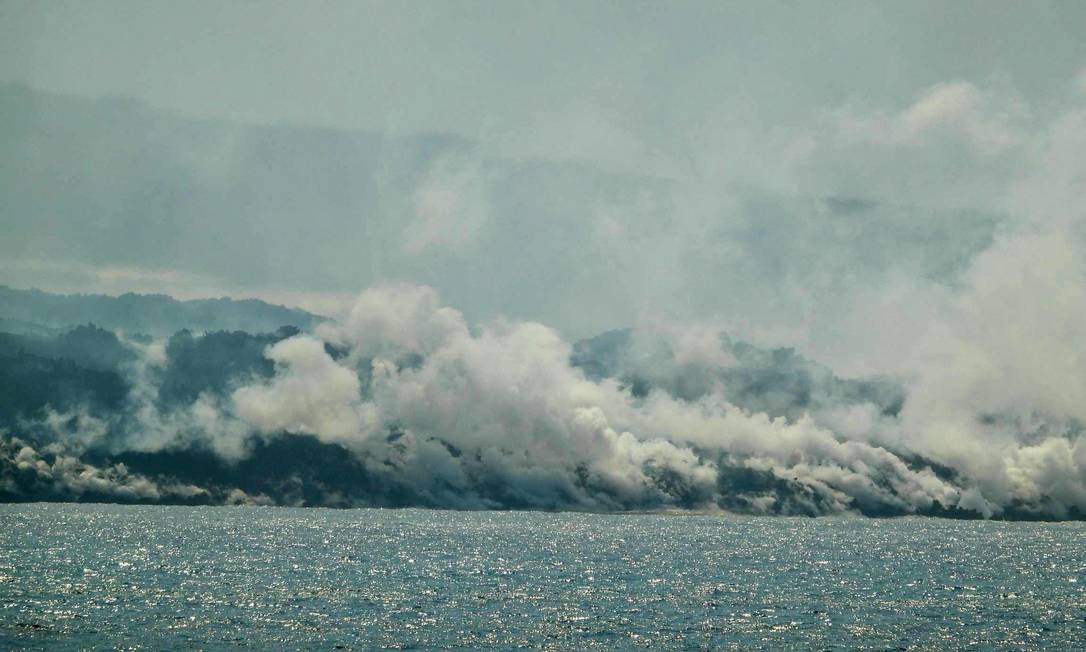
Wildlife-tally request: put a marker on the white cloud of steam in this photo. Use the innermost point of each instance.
(995, 394)
(67, 476)
(450, 206)
(997, 368)
(395, 319)
(990, 352)
(311, 393)
(496, 415)
(1000, 380)
(504, 405)
(143, 424)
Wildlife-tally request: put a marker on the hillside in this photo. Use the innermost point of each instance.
(152, 314)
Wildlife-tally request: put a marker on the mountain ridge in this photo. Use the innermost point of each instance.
(35, 310)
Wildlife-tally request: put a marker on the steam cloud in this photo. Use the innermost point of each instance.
(434, 411)
(404, 402)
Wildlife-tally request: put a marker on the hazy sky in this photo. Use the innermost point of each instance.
(779, 168)
(472, 66)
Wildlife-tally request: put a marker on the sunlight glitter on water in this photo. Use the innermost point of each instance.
(92, 576)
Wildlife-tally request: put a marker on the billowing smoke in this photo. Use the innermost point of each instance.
(975, 408)
(52, 474)
(405, 403)
(511, 415)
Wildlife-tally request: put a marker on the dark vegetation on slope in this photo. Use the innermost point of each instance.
(90, 371)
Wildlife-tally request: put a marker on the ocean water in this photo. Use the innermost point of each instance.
(105, 576)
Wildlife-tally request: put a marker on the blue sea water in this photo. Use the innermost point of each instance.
(106, 576)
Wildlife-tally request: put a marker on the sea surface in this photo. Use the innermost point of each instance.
(157, 578)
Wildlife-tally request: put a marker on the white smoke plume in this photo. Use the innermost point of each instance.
(503, 404)
(980, 410)
(53, 473)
